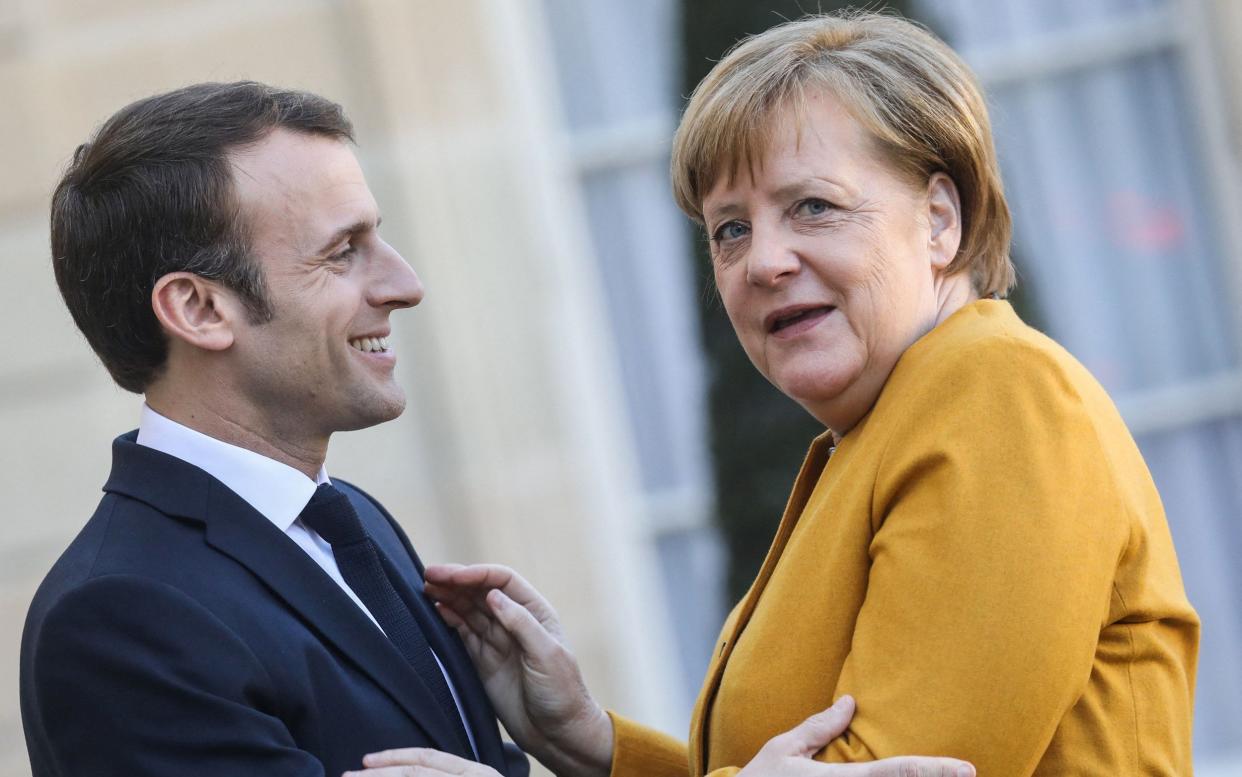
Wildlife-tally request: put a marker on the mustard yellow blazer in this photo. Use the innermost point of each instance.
(983, 563)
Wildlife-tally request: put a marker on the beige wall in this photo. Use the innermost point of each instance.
(514, 448)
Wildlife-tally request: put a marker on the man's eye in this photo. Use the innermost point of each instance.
(730, 230)
(346, 252)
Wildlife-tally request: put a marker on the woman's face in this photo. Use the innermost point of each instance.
(830, 264)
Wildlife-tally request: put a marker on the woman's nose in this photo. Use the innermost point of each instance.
(771, 259)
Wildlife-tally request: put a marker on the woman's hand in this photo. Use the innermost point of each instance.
(790, 754)
(786, 755)
(515, 640)
(420, 762)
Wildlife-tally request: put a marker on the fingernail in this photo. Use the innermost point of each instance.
(846, 699)
(965, 770)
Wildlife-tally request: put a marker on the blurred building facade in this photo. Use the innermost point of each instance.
(556, 421)
(1117, 126)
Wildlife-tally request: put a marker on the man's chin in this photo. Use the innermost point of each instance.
(378, 410)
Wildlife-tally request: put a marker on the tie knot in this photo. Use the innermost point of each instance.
(330, 513)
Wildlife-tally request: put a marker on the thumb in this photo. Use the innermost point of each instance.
(531, 636)
(811, 735)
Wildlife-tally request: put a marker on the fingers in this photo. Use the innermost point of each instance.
(811, 735)
(485, 638)
(917, 766)
(460, 598)
(454, 580)
(441, 571)
(531, 636)
(473, 611)
(496, 620)
(416, 756)
(419, 762)
(450, 616)
(467, 611)
(464, 590)
(473, 576)
(475, 644)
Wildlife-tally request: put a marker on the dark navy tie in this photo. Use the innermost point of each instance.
(331, 515)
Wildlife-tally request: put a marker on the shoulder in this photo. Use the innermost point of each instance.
(987, 337)
(990, 415)
(995, 398)
(133, 568)
(123, 620)
(984, 365)
(110, 601)
(134, 649)
(121, 532)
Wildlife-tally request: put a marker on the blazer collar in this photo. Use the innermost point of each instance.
(808, 478)
(237, 530)
(272, 487)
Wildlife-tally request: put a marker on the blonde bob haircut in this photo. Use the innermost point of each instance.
(920, 103)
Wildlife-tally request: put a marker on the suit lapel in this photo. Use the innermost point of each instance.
(238, 531)
(298, 580)
(444, 641)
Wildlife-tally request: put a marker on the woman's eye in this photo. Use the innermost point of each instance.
(730, 230)
(814, 207)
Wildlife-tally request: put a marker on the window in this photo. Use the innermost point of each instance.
(1118, 179)
(618, 67)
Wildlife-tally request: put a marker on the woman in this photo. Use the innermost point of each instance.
(974, 550)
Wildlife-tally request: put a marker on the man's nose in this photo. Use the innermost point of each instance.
(395, 284)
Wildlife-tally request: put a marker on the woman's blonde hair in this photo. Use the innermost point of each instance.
(919, 101)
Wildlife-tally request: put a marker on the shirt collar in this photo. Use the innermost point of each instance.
(276, 490)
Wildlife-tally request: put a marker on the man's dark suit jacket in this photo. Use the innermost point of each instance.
(183, 634)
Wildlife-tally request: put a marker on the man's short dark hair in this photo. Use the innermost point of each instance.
(152, 193)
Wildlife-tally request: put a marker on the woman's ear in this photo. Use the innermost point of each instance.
(195, 310)
(944, 211)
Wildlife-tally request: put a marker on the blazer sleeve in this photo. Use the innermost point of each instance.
(133, 677)
(639, 751)
(998, 528)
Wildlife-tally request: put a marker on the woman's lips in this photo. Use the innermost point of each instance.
(796, 323)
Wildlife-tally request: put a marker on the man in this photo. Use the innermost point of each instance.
(229, 609)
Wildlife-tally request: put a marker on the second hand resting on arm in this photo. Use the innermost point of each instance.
(519, 649)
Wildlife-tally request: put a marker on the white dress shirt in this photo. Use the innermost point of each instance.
(276, 491)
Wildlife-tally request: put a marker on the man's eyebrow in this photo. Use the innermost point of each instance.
(358, 227)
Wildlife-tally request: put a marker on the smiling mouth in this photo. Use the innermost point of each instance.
(370, 344)
(806, 317)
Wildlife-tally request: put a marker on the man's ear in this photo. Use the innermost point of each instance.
(195, 310)
(944, 211)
